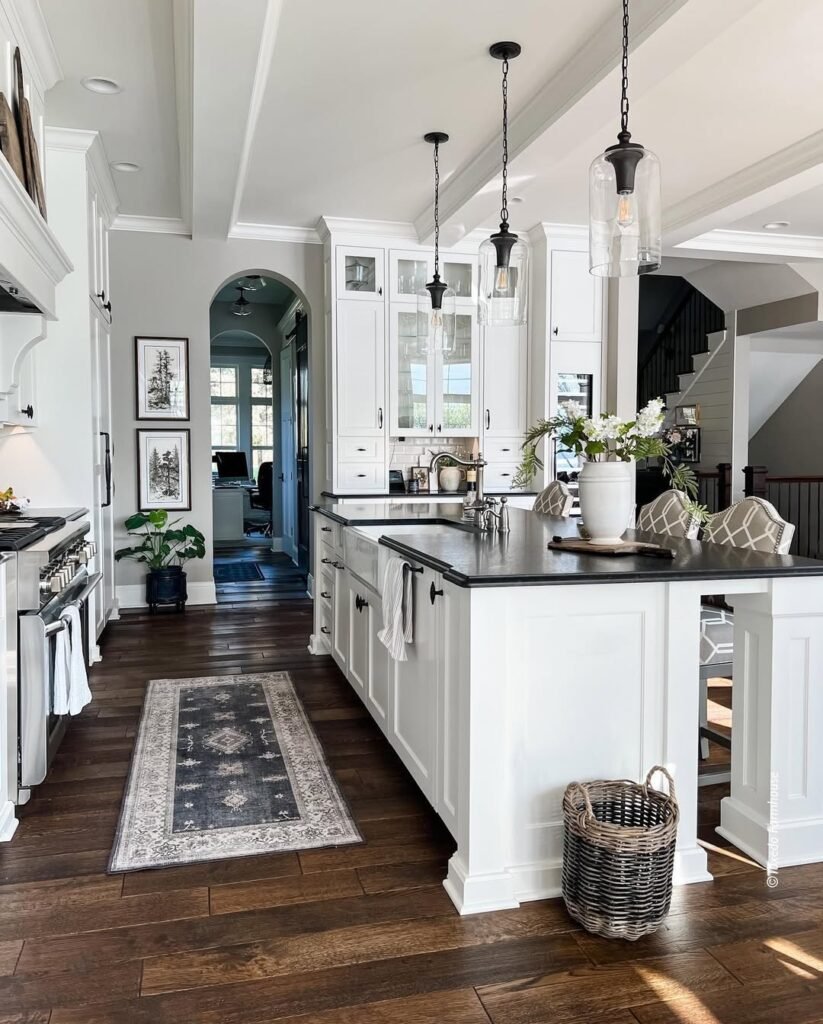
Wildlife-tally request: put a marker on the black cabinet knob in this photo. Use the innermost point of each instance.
(28, 411)
(434, 593)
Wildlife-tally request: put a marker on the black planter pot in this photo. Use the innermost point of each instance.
(166, 586)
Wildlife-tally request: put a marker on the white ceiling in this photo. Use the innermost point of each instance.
(130, 41)
(274, 294)
(324, 111)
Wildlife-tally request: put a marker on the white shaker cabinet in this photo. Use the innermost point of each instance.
(361, 388)
(505, 369)
(414, 690)
(576, 297)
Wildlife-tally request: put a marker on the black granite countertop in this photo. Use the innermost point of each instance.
(470, 558)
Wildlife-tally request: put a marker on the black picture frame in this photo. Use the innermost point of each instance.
(177, 405)
(149, 442)
(687, 449)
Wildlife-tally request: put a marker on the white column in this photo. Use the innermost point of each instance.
(775, 811)
(741, 383)
(621, 346)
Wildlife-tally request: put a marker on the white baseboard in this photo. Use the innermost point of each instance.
(8, 822)
(133, 595)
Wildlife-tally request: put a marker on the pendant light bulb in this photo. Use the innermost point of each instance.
(436, 302)
(504, 258)
(625, 220)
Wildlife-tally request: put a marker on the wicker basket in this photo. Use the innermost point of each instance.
(618, 855)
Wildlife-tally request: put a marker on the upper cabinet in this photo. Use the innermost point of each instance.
(361, 369)
(433, 393)
(359, 273)
(505, 381)
(576, 297)
(411, 269)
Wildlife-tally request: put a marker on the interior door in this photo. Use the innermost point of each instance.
(103, 510)
(287, 450)
(302, 447)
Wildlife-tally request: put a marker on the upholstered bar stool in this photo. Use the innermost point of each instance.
(669, 514)
(755, 524)
(554, 500)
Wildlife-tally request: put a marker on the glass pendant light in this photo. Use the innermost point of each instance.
(624, 198)
(504, 258)
(436, 310)
(253, 282)
(241, 306)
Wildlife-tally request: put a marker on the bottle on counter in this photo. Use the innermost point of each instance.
(470, 496)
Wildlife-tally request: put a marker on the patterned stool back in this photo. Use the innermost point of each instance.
(669, 514)
(752, 523)
(555, 500)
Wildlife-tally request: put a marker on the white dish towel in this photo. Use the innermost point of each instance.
(398, 610)
(71, 683)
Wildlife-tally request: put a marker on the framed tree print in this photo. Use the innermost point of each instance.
(163, 470)
(162, 378)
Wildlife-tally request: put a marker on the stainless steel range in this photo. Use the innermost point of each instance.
(52, 573)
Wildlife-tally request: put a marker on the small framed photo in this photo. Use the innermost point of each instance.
(421, 475)
(164, 470)
(162, 378)
(684, 443)
(687, 415)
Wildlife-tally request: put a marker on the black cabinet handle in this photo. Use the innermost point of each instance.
(488, 419)
(28, 411)
(505, 474)
(107, 467)
(556, 331)
(361, 475)
(505, 449)
(433, 593)
(325, 595)
(380, 290)
(431, 428)
(338, 565)
(380, 418)
(326, 561)
(325, 529)
(439, 428)
(361, 449)
(360, 603)
(105, 305)
(325, 629)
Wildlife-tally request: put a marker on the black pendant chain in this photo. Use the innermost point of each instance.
(437, 207)
(624, 91)
(504, 209)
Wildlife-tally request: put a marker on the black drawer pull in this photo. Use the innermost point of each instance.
(433, 592)
(505, 449)
(325, 629)
(326, 561)
(360, 603)
(325, 594)
(338, 565)
(325, 529)
(361, 474)
(361, 449)
(505, 474)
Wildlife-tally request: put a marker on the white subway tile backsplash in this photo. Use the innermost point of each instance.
(408, 452)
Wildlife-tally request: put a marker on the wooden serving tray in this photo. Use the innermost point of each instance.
(585, 547)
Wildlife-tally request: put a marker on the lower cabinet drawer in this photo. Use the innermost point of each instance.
(503, 449)
(360, 449)
(325, 590)
(361, 476)
(324, 617)
(499, 476)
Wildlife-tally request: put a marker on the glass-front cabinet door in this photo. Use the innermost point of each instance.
(412, 376)
(460, 274)
(359, 272)
(457, 369)
(409, 270)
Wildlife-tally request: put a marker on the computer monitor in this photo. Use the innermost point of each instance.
(231, 465)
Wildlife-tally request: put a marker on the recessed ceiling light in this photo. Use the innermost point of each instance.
(97, 83)
(126, 166)
(776, 225)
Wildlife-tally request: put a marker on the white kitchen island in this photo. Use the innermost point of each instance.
(532, 668)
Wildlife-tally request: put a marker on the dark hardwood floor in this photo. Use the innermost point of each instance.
(282, 579)
(357, 935)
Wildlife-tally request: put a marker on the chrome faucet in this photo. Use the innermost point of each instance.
(490, 520)
(477, 464)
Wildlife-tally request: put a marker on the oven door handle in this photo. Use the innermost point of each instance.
(94, 582)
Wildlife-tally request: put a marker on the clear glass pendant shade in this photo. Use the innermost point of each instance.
(436, 327)
(624, 229)
(503, 288)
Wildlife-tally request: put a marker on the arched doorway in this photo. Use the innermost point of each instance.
(259, 442)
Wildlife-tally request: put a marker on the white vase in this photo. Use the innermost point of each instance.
(606, 500)
(450, 477)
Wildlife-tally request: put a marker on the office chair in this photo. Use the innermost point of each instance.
(263, 497)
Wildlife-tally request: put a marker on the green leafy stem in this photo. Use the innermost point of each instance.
(161, 542)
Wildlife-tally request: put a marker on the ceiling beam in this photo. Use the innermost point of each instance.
(599, 56)
(231, 56)
(183, 29)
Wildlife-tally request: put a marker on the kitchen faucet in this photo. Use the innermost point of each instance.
(480, 502)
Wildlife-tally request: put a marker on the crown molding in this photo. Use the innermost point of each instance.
(349, 226)
(276, 233)
(756, 243)
(90, 143)
(157, 225)
(34, 39)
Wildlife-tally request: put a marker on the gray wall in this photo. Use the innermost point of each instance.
(164, 285)
(789, 442)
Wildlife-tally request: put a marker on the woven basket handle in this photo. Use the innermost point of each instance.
(669, 779)
(583, 791)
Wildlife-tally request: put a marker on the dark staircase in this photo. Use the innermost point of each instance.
(679, 331)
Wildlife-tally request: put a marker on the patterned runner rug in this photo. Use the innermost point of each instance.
(238, 572)
(226, 767)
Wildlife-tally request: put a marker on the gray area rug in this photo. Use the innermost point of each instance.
(238, 572)
(226, 766)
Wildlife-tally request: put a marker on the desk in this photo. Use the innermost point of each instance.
(230, 506)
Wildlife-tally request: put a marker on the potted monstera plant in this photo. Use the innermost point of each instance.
(163, 547)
